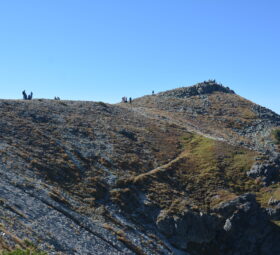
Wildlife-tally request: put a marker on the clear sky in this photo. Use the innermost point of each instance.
(102, 50)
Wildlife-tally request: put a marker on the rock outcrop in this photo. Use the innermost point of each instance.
(248, 229)
(238, 226)
(206, 87)
(266, 168)
(188, 228)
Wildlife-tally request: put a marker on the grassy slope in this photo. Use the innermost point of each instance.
(208, 167)
(205, 173)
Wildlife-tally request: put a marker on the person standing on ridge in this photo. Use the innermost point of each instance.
(30, 96)
(24, 95)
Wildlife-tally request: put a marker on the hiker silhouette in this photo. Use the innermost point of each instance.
(24, 95)
(30, 96)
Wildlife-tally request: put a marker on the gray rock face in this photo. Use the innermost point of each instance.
(189, 227)
(43, 220)
(274, 213)
(239, 226)
(250, 231)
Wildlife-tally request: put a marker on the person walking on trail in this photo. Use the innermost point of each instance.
(130, 100)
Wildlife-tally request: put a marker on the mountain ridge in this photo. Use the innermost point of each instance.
(179, 172)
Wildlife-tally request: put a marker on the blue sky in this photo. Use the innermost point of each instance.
(102, 50)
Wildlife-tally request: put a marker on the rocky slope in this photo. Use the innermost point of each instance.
(188, 171)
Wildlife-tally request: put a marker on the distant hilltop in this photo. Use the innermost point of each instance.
(206, 87)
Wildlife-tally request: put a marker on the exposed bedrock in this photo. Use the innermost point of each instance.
(238, 226)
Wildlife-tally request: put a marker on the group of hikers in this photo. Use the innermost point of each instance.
(30, 96)
(124, 100)
(27, 97)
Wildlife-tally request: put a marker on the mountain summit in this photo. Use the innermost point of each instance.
(193, 170)
(206, 87)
